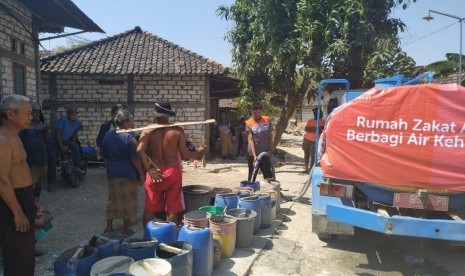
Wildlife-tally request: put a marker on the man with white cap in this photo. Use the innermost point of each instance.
(165, 145)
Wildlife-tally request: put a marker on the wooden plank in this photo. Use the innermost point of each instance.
(155, 126)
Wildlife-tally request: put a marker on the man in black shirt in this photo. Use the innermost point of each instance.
(109, 125)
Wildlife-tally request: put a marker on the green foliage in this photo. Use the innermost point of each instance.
(280, 47)
(447, 66)
(70, 44)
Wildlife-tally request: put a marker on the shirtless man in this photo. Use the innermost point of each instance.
(17, 211)
(166, 145)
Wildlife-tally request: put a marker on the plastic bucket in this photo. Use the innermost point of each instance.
(111, 265)
(162, 231)
(252, 203)
(265, 203)
(106, 246)
(202, 246)
(151, 267)
(274, 199)
(224, 229)
(197, 218)
(196, 196)
(181, 264)
(216, 253)
(138, 249)
(65, 265)
(212, 210)
(275, 186)
(254, 185)
(228, 200)
(244, 225)
(243, 191)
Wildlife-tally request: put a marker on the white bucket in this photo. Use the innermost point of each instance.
(111, 265)
(151, 267)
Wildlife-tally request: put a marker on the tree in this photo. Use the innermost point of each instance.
(71, 43)
(447, 66)
(280, 47)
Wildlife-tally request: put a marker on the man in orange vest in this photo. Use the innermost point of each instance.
(260, 137)
(308, 145)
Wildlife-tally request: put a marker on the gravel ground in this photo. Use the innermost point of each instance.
(80, 213)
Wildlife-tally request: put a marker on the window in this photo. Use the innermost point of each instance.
(19, 79)
(22, 49)
(18, 47)
(14, 45)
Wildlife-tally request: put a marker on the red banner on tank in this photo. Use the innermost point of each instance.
(401, 136)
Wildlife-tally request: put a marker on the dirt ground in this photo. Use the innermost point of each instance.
(80, 212)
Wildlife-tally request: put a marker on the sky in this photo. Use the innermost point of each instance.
(196, 26)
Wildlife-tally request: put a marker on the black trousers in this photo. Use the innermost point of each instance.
(265, 166)
(18, 247)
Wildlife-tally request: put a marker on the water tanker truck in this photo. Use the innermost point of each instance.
(392, 160)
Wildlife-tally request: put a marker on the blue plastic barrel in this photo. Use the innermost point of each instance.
(65, 265)
(163, 231)
(106, 246)
(265, 207)
(252, 203)
(201, 240)
(226, 200)
(181, 264)
(138, 249)
(254, 185)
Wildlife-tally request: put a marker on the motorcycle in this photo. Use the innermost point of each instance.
(67, 169)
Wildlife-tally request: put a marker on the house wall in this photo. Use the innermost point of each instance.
(94, 95)
(23, 33)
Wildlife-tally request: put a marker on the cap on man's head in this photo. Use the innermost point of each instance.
(163, 109)
(71, 109)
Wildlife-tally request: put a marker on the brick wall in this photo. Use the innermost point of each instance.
(11, 29)
(94, 95)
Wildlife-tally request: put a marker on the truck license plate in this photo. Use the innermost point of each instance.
(415, 201)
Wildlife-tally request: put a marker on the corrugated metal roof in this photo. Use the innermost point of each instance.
(61, 13)
(132, 52)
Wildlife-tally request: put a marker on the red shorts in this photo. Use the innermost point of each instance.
(166, 195)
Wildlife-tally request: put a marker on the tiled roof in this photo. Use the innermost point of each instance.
(132, 52)
(43, 54)
(449, 78)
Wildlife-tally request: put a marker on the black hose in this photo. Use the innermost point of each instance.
(256, 166)
(305, 188)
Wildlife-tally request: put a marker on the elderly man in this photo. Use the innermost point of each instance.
(17, 211)
(166, 145)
